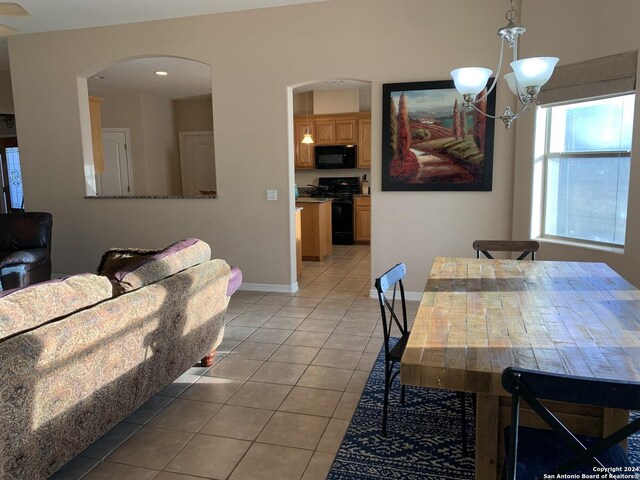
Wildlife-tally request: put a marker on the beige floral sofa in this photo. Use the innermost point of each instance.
(78, 355)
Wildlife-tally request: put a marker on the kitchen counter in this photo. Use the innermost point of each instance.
(312, 200)
(316, 228)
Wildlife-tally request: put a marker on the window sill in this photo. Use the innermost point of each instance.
(587, 246)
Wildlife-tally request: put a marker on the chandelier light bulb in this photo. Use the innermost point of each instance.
(470, 80)
(534, 72)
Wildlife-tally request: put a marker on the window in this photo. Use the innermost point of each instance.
(585, 171)
(15, 178)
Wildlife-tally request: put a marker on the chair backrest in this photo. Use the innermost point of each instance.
(533, 386)
(25, 230)
(388, 285)
(525, 246)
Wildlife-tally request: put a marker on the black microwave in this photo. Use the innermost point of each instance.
(336, 156)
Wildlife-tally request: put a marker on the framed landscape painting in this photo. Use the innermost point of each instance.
(430, 143)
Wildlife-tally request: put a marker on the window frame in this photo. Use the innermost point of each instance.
(547, 155)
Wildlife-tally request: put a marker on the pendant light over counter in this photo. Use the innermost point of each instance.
(307, 138)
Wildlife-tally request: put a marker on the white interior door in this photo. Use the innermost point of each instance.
(116, 178)
(197, 163)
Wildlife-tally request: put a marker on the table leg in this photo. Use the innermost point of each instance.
(487, 437)
(612, 420)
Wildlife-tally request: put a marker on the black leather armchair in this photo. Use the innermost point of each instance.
(25, 248)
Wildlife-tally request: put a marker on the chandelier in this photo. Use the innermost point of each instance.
(528, 76)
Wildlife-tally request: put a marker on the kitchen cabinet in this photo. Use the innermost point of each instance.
(96, 133)
(325, 132)
(336, 130)
(299, 242)
(304, 154)
(316, 230)
(346, 131)
(364, 143)
(362, 219)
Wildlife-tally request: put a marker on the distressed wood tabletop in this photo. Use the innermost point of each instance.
(477, 317)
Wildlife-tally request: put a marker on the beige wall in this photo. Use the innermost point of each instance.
(344, 100)
(125, 110)
(597, 29)
(193, 115)
(256, 55)
(161, 146)
(6, 93)
(154, 140)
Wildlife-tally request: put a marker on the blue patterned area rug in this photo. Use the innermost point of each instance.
(423, 436)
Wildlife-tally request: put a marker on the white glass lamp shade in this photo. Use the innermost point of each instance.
(534, 72)
(470, 80)
(511, 81)
(307, 138)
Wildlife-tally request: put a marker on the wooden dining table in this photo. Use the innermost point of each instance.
(479, 316)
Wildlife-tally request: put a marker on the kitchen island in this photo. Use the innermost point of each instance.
(316, 228)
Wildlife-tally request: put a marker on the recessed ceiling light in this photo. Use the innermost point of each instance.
(161, 73)
(12, 9)
(6, 31)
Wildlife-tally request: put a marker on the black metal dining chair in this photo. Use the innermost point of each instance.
(391, 283)
(533, 452)
(527, 247)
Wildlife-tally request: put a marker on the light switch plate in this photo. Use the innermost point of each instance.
(272, 194)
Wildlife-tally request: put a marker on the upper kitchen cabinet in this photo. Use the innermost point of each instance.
(346, 131)
(303, 151)
(364, 143)
(325, 131)
(336, 129)
(96, 133)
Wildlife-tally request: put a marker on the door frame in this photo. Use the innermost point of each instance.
(127, 149)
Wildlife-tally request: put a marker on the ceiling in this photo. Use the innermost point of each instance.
(184, 79)
(48, 15)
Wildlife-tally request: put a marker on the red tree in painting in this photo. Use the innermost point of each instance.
(480, 122)
(463, 123)
(405, 162)
(393, 126)
(456, 120)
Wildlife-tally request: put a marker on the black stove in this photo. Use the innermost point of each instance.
(340, 190)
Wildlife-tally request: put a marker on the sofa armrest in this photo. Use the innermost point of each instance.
(235, 281)
(30, 256)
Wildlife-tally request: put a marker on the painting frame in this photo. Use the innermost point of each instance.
(443, 165)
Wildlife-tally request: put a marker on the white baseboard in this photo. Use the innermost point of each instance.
(409, 296)
(269, 287)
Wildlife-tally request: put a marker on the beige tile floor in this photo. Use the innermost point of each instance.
(279, 398)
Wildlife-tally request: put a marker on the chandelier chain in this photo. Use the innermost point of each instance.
(512, 14)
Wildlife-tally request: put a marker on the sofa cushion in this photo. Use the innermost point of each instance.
(25, 308)
(150, 269)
